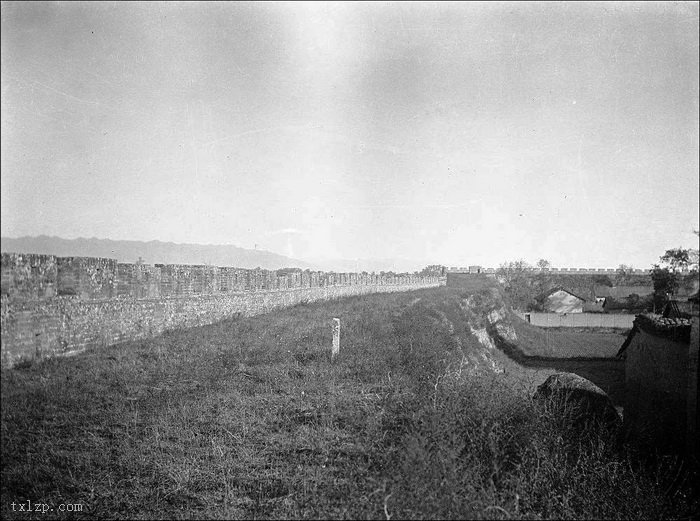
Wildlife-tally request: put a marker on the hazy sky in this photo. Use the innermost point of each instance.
(458, 134)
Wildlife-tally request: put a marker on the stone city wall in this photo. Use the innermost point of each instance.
(656, 391)
(554, 271)
(61, 305)
(661, 385)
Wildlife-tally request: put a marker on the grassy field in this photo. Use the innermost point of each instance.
(250, 419)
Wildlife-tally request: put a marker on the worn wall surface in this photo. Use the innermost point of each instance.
(692, 417)
(53, 306)
(656, 391)
(28, 277)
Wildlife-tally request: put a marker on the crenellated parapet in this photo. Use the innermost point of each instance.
(565, 271)
(52, 306)
(32, 277)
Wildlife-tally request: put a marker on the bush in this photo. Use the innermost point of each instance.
(632, 304)
(486, 451)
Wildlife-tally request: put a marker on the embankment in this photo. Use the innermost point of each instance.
(590, 355)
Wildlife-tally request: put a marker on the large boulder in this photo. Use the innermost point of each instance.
(583, 403)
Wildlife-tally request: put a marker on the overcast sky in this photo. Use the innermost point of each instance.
(457, 133)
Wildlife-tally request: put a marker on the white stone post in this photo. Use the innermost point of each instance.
(336, 338)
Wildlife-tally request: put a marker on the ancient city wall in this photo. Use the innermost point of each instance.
(61, 305)
(554, 271)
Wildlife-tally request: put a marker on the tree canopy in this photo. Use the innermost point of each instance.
(433, 270)
(669, 274)
(517, 279)
(677, 259)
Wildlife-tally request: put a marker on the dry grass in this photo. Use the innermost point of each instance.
(250, 419)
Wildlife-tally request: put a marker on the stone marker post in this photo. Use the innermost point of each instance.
(336, 338)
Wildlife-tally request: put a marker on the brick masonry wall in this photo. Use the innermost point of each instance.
(86, 277)
(692, 420)
(100, 302)
(656, 384)
(28, 277)
(555, 271)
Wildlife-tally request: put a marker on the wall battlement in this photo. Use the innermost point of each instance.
(32, 277)
(60, 305)
(565, 271)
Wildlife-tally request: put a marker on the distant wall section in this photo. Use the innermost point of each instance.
(474, 270)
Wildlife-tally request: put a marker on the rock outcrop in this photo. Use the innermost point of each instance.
(582, 402)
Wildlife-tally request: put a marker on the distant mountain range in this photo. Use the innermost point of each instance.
(152, 252)
(157, 252)
(397, 265)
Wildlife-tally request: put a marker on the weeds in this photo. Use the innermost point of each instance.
(250, 419)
